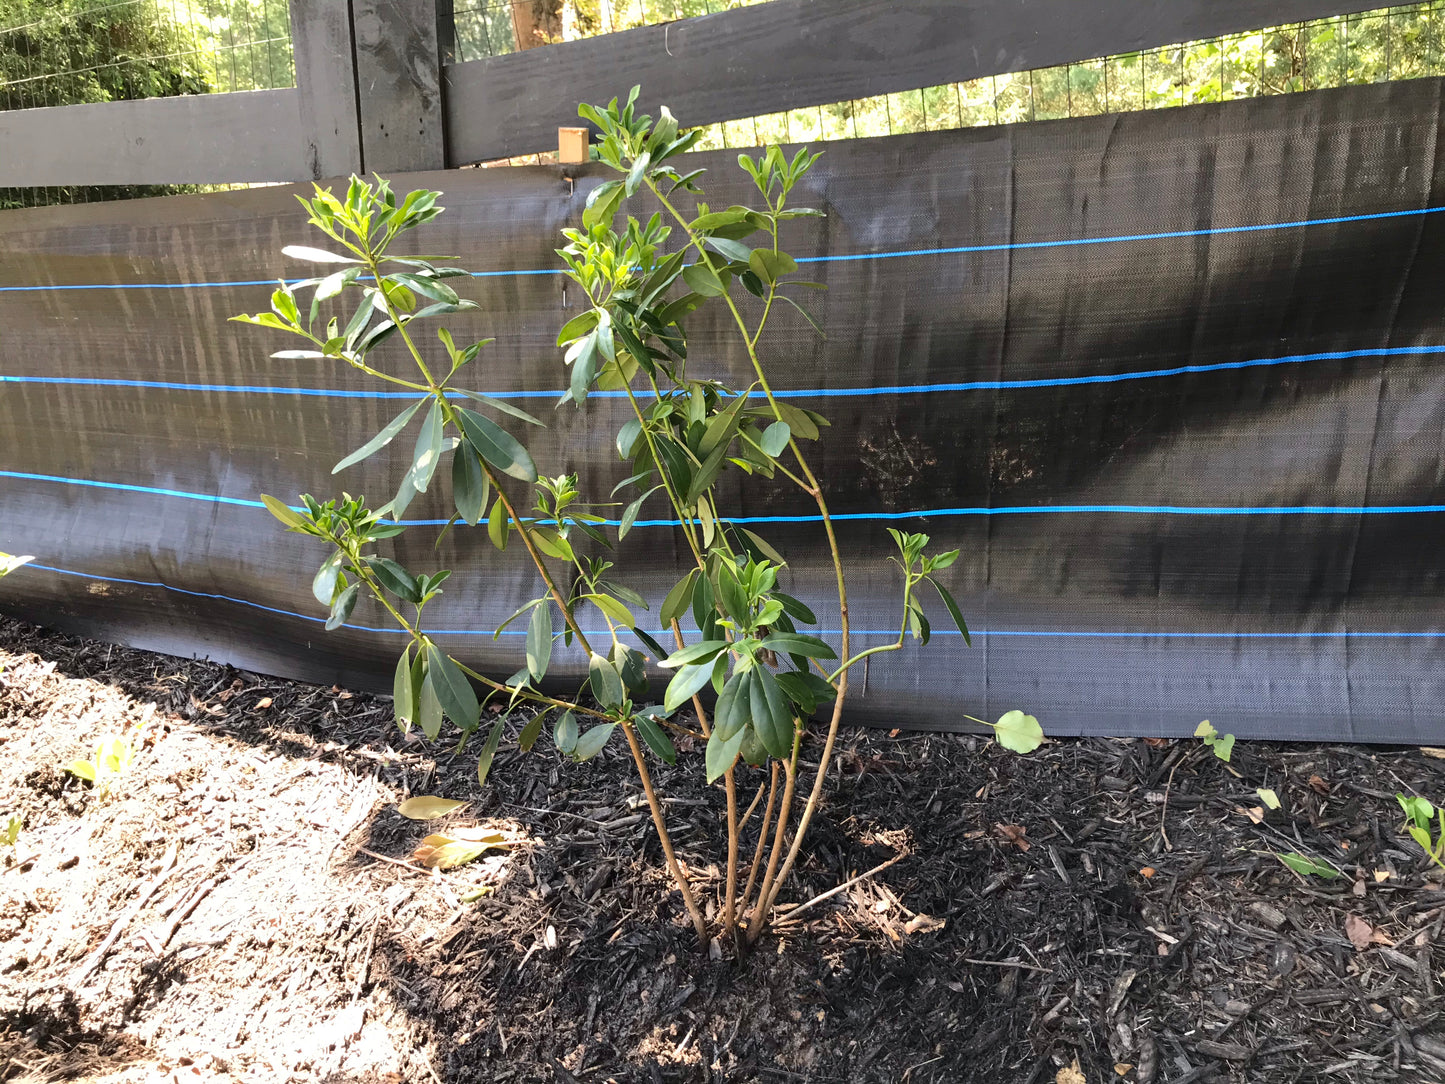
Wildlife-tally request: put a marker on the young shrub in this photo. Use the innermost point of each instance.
(750, 642)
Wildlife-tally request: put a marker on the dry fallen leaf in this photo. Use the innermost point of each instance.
(1255, 813)
(1381, 876)
(427, 807)
(1147, 872)
(924, 924)
(1319, 785)
(1071, 1074)
(1359, 932)
(263, 703)
(444, 852)
(1156, 743)
(1122, 1067)
(1431, 751)
(1013, 833)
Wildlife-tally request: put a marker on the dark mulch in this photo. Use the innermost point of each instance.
(1106, 905)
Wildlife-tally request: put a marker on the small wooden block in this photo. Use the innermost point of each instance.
(572, 144)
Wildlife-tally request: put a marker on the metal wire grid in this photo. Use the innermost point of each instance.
(1402, 42)
(111, 50)
(493, 27)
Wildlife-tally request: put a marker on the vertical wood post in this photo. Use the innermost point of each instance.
(326, 86)
(398, 78)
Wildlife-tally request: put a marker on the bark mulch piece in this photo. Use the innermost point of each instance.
(243, 906)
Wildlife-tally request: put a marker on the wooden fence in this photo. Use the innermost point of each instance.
(374, 91)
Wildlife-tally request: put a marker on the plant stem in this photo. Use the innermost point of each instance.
(762, 836)
(770, 886)
(698, 923)
(730, 786)
(766, 890)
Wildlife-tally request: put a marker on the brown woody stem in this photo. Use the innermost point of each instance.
(698, 923)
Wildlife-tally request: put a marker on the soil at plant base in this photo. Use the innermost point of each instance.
(243, 905)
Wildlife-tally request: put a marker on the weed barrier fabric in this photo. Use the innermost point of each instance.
(1170, 381)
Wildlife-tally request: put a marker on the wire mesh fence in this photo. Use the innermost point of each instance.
(484, 28)
(75, 52)
(1402, 42)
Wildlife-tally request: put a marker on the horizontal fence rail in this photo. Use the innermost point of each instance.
(372, 92)
(791, 54)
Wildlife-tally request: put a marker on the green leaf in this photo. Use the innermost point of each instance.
(731, 594)
(602, 203)
(637, 173)
(498, 404)
(722, 752)
(315, 255)
(775, 439)
(453, 689)
(703, 280)
(612, 608)
(770, 266)
(657, 649)
(772, 717)
(953, 610)
(1306, 866)
(705, 651)
(498, 525)
(428, 807)
(1223, 747)
(403, 692)
(497, 446)
(678, 600)
(592, 741)
(489, 752)
(429, 709)
(627, 438)
(323, 584)
(797, 644)
(805, 689)
(656, 738)
(287, 515)
(394, 578)
(795, 609)
(382, 439)
(734, 705)
(578, 326)
(760, 544)
(1206, 731)
(606, 681)
(1018, 732)
(82, 769)
(734, 251)
(343, 606)
(539, 641)
(470, 488)
(564, 733)
(687, 681)
(629, 514)
(1417, 809)
(428, 452)
(531, 732)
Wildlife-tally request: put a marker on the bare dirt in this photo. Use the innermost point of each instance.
(242, 906)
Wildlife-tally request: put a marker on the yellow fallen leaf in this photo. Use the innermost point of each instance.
(1381, 876)
(1122, 1067)
(445, 852)
(1071, 1074)
(1432, 751)
(426, 807)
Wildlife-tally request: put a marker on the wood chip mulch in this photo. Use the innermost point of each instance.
(243, 906)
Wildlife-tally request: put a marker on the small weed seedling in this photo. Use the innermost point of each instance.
(1420, 816)
(11, 832)
(107, 763)
(1222, 744)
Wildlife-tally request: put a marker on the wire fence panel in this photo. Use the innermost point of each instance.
(484, 28)
(76, 52)
(1371, 47)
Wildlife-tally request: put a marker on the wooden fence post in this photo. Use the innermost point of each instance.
(398, 77)
(326, 87)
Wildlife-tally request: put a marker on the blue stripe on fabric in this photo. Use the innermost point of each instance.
(890, 633)
(821, 393)
(1165, 235)
(925, 513)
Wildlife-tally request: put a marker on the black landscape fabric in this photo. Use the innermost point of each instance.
(1170, 381)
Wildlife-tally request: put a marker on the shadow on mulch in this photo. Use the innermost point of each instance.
(1109, 905)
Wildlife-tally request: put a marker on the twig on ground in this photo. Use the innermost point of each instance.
(796, 911)
(96, 958)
